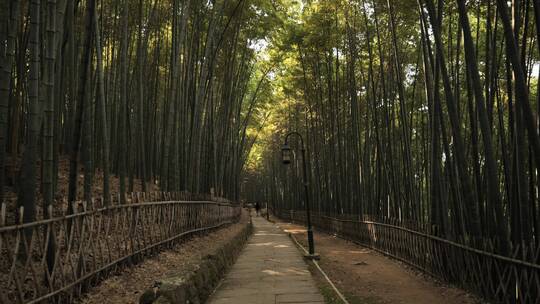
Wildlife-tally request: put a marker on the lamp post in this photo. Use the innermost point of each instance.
(286, 158)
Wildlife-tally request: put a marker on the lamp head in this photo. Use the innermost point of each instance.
(286, 154)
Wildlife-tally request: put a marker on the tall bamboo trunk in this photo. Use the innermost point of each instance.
(9, 23)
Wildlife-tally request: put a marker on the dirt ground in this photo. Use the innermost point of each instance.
(367, 277)
(11, 189)
(127, 286)
(63, 181)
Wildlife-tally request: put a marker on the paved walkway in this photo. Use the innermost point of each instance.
(270, 270)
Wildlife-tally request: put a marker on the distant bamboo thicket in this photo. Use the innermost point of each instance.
(148, 90)
(424, 112)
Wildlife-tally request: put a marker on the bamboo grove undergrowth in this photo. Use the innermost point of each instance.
(156, 91)
(425, 112)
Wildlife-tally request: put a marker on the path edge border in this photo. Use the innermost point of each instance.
(198, 285)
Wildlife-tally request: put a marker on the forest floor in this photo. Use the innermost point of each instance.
(61, 194)
(366, 277)
(128, 284)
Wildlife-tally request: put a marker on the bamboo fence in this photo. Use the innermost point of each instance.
(494, 277)
(56, 259)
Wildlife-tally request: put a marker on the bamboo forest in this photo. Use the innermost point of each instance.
(270, 151)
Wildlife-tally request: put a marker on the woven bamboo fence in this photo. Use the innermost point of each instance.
(55, 260)
(494, 277)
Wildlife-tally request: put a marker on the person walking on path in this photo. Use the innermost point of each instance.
(258, 208)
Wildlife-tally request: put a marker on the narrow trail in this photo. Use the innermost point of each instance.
(270, 270)
(368, 277)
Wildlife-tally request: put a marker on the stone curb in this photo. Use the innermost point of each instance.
(195, 286)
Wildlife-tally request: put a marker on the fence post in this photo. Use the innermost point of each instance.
(3, 214)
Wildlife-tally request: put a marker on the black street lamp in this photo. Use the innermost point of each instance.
(286, 158)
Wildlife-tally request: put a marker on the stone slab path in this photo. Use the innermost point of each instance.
(270, 270)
